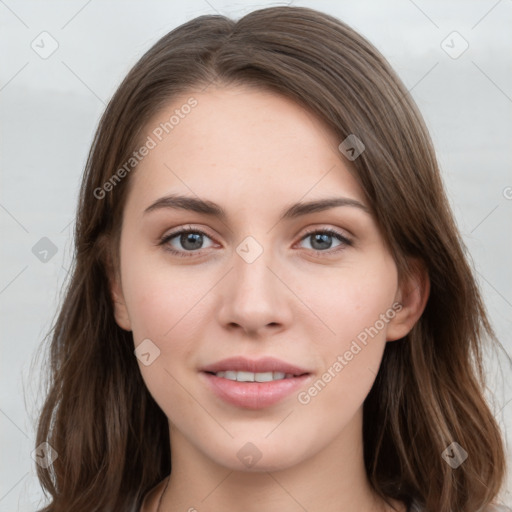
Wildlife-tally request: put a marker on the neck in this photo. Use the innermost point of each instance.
(333, 480)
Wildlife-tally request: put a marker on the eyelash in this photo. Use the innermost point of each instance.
(187, 254)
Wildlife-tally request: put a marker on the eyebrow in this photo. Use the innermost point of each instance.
(179, 202)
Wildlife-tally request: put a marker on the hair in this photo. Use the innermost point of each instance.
(111, 437)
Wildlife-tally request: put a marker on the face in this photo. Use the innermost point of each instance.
(314, 289)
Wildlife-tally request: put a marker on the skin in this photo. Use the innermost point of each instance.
(254, 152)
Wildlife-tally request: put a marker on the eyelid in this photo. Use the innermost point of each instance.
(337, 232)
(164, 241)
(184, 229)
(345, 241)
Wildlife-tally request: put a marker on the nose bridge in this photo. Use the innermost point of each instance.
(252, 260)
(252, 296)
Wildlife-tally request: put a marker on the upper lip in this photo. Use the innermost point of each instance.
(263, 365)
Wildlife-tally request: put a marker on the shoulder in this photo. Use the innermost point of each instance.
(150, 502)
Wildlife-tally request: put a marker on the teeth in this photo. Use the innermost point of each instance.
(253, 377)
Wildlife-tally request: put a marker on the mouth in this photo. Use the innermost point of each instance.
(253, 384)
(241, 376)
(248, 369)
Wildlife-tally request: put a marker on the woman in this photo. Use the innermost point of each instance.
(270, 306)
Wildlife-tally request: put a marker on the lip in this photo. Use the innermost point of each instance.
(254, 395)
(264, 364)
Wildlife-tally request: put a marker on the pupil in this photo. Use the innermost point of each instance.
(322, 238)
(195, 238)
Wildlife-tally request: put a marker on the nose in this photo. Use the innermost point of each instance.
(254, 297)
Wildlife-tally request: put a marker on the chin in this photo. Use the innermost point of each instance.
(259, 455)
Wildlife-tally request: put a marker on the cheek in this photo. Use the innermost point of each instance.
(352, 301)
(163, 307)
(157, 295)
(355, 308)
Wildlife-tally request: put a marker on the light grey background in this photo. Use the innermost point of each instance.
(50, 108)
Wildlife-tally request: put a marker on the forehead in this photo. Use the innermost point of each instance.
(243, 145)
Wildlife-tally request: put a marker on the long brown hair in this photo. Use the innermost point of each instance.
(112, 439)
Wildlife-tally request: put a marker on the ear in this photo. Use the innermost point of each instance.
(412, 295)
(120, 309)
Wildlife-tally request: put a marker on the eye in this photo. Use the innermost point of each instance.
(322, 240)
(191, 240)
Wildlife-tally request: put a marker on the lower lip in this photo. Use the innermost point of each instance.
(254, 395)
